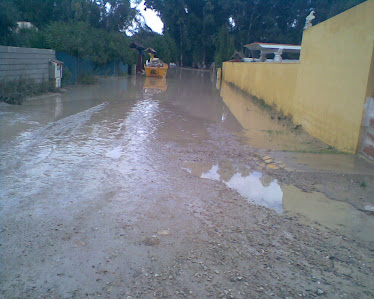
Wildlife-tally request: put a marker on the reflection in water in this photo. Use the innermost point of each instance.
(333, 214)
(155, 85)
(266, 191)
(35, 113)
(59, 107)
(260, 129)
(98, 137)
(338, 163)
(255, 186)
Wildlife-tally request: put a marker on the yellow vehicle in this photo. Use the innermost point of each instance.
(156, 71)
(155, 67)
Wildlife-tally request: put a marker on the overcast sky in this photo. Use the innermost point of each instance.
(151, 18)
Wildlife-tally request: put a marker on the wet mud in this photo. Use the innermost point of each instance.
(136, 188)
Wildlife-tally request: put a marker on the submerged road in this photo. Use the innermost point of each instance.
(151, 188)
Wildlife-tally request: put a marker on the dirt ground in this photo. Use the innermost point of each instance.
(120, 190)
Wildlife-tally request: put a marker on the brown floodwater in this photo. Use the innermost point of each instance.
(266, 191)
(263, 129)
(134, 187)
(92, 139)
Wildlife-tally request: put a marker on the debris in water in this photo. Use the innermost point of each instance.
(152, 241)
(272, 166)
(282, 165)
(80, 243)
(165, 232)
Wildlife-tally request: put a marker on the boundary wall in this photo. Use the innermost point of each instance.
(326, 91)
(275, 83)
(25, 63)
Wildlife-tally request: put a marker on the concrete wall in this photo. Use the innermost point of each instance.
(327, 90)
(334, 76)
(273, 82)
(27, 63)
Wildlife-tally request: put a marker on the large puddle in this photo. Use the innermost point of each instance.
(108, 130)
(266, 191)
(264, 130)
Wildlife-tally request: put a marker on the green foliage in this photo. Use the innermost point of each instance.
(163, 44)
(83, 28)
(66, 76)
(82, 40)
(8, 20)
(196, 26)
(28, 38)
(165, 47)
(225, 47)
(196, 32)
(108, 14)
(14, 92)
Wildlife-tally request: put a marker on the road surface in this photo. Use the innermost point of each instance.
(135, 188)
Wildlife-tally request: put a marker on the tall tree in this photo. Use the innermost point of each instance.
(192, 28)
(116, 14)
(8, 20)
(109, 14)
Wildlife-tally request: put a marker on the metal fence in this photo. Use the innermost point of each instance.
(80, 67)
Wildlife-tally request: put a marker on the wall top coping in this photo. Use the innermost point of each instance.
(273, 47)
(7, 49)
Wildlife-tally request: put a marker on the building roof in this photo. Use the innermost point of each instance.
(56, 61)
(151, 50)
(274, 47)
(136, 45)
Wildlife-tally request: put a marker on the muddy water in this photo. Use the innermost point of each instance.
(263, 129)
(91, 175)
(57, 142)
(265, 190)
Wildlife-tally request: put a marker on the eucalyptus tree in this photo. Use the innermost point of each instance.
(194, 25)
(197, 31)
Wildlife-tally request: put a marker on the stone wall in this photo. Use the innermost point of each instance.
(25, 63)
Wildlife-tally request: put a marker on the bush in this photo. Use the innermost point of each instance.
(66, 76)
(14, 92)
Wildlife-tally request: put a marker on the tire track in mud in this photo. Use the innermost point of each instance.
(29, 143)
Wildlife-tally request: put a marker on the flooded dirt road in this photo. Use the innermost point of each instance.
(149, 188)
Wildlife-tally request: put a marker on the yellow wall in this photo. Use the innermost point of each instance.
(273, 82)
(333, 77)
(327, 90)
